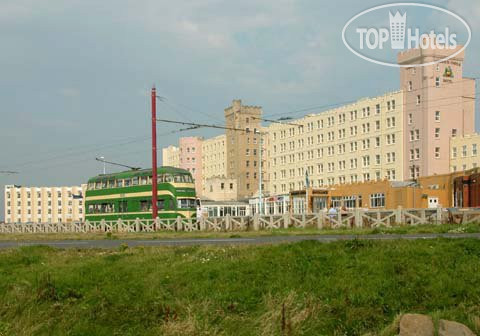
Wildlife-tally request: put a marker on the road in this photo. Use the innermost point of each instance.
(107, 244)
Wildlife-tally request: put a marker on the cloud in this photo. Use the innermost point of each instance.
(468, 9)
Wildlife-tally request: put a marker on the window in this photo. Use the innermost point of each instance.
(377, 109)
(437, 152)
(377, 200)
(437, 116)
(417, 134)
(418, 100)
(464, 150)
(474, 149)
(454, 152)
(410, 86)
(437, 132)
(454, 132)
(417, 153)
(437, 81)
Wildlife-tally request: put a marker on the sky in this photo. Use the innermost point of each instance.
(75, 75)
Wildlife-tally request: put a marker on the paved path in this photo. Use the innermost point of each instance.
(227, 241)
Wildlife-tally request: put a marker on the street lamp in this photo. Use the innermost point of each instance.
(102, 159)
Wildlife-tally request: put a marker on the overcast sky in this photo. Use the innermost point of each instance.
(75, 74)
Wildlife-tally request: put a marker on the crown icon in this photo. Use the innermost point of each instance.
(397, 29)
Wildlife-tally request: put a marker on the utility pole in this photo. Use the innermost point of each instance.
(154, 154)
(260, 172)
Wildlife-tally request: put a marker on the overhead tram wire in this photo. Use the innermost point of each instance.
(33, 166)
(356, 100)
(277, 122)
(197, 125)
(423, 101)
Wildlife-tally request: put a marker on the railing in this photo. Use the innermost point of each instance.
(357, 218)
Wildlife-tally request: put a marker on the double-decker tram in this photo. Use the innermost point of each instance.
(128, 195)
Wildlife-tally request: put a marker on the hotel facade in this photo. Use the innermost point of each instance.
(44, 204)
(425, 128)
(353, 143)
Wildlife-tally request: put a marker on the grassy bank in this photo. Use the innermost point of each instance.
(308, 288)
(442, 228)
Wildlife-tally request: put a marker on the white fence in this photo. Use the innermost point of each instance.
(357, 218)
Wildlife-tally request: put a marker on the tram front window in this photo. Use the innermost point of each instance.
(186, 203)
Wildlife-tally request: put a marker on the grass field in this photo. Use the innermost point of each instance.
(443, 228)
(308, 288)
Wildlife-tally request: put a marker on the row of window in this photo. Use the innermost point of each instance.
(49, 211)
(389, 138)
(139, 180)
(142, 205)
(39, 194)
(474, 151)
(330, 181)
(330, 121)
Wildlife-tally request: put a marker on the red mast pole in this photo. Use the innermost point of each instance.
(154, 154)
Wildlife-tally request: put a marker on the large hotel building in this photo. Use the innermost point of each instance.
(423, 129)
(43, 204)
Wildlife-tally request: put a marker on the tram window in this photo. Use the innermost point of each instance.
(186, 203)
(168, 178)
(178, 178)
(104, 184)
(145, 205)
(111, 183)
(90, 208)
(161, 178)
(127, 182)
(98, 185)
(107, 208)
(122, 206)
(188, 178)
(143, 180)
(161, 204)
(119, 183)
(135, 181)
(91, 186)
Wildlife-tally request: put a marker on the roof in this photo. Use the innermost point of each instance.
(140, 172)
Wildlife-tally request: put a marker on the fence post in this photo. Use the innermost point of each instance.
(256, 222)
(137, 224)
(156, 224)
(398, 215)
(227, 222)
(319, 220)
(423, 216)
(438, 217)
(179, 224)
(286, 220)
(202, 223)
(358, 218)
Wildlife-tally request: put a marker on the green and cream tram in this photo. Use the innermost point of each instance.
(128, 195)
